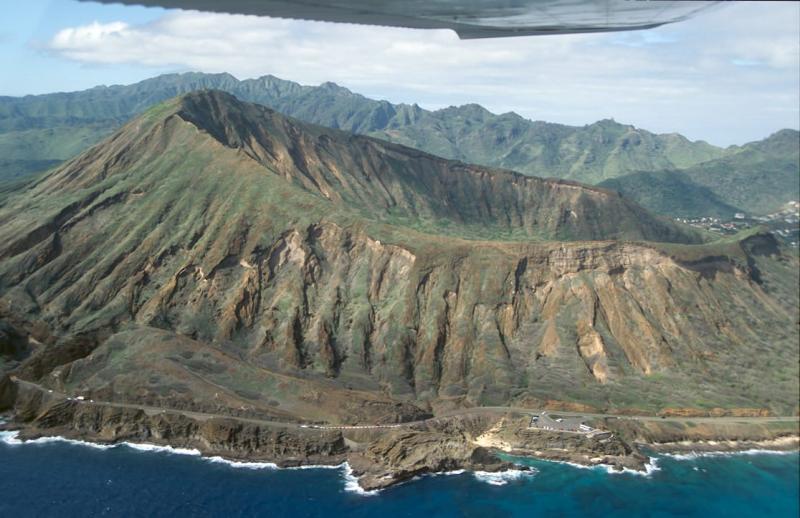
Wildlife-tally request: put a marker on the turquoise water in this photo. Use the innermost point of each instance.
(65, 479)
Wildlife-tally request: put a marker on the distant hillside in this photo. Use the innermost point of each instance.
(756, 178)
(672, 193)
(37, 132)
(469, 133)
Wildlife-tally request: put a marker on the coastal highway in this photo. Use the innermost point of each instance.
(203, 416)
(723, 419)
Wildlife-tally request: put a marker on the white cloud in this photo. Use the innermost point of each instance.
(88, 36)
(688, 77)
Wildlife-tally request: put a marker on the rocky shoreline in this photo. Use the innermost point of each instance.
(785, 443)
(377, 458)
(371, 476)
(370, 470)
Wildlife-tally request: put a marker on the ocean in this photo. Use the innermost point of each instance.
(65, 479)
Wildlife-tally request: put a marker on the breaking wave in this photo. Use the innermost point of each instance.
(699, 454)
(649, 468)
(351, 482)
(10, 438)
(502, 478)
(160, 449)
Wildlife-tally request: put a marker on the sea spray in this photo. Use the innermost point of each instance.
(11, 438)
(649, 468)
(351, 482)
(245, 464)
(156, 448)
(692, 455)
(501, 478)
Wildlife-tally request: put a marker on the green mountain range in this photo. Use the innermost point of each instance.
(666, 173)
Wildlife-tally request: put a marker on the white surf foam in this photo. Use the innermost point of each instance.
(45, 440)
(756, 451)
(502, 478)
(571, 464)
(266, 465)
(12, 439)
(351, 482)
(142, 446)
(242, 464)
(692, 455)
(649, 468)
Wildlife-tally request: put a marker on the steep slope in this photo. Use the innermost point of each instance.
(402, 185)
(216, 256)
(470, 133)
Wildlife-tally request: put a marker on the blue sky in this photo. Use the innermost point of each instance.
(728, 76)
(31, 68)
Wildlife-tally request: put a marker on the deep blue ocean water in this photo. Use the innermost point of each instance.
(65, 480)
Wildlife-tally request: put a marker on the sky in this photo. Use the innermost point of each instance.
(728, 76)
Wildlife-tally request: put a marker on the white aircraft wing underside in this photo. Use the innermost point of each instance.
(469, 18)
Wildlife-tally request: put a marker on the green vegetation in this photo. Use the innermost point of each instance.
(757, 178)
(665, 173)
(671, 193)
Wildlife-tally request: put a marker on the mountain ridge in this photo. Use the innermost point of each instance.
(37, 131)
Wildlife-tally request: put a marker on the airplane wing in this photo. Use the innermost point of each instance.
(468, 18)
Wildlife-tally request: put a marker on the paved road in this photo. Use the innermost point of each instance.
(202, 416)
(774, 419)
